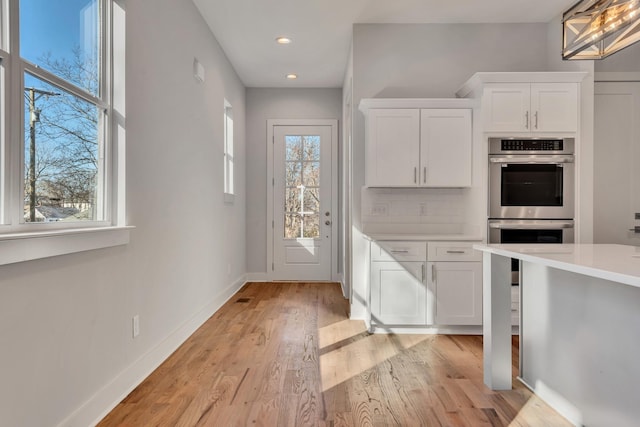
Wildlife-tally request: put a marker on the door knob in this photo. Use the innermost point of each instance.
(327, 222)
(327, 213)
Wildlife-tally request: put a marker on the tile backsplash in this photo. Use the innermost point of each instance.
(429, 210)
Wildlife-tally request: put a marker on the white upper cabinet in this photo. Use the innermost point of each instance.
(418, 147)
(445, 148)
(393, 147)
(530, 107)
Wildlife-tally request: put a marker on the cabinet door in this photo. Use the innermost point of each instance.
(554, 107)
(505, 107)
(398, 293)
(457, 287)
(392, 147)
(445, 148)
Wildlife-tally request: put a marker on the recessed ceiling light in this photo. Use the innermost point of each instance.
(292, 76)
(283, 40)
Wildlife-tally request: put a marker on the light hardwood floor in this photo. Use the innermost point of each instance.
(285, 354)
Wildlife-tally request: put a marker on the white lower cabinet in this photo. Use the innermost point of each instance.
(398, 293)
(425, 283)
(457, 287)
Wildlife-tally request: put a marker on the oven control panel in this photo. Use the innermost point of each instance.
(509, 145)
(532, 145)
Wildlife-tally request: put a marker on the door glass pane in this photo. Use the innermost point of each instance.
(311, 174)
(293, 147)
(302, 181)
(63, 37)
(311, 226)
(293, 174)
(292, 226)
(311, 200)
(292, 200)
(312, 147)
(61, 154)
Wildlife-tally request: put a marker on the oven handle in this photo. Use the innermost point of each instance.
(537, 226)
(536, 159)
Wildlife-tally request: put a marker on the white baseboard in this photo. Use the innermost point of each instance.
(107, 398)
(257, 277)
(429, 330)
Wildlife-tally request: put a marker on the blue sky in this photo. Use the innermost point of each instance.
(51, 26)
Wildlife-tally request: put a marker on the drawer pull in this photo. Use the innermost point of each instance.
(399, 251)
(455, 252)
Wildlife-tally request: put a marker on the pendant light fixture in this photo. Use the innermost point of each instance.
(594, 29)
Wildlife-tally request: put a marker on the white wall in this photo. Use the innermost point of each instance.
(264, 104)
(426, 61)
(626, 60)
(65, 322)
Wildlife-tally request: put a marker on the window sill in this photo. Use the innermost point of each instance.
(19, 247)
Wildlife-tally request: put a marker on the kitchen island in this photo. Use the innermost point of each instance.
(580, 327)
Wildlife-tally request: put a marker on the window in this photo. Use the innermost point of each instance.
(228, 152)
(59, 157)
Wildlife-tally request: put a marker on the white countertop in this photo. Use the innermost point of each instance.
(421, 237)
(618, 263)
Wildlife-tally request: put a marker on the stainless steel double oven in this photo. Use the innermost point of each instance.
(531, 190)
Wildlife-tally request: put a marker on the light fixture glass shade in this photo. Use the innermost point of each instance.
(594, 29)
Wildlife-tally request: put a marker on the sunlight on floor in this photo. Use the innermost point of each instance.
(336, 364)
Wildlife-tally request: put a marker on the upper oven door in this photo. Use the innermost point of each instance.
(535, 187)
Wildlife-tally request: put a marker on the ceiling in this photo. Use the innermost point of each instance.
(321, 30)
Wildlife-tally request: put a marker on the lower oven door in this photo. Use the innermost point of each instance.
(531, 231)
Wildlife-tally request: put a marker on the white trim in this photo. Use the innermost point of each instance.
(429, 330)
(19, 247)
(257, 277)
(402, 103)
(616, 77)
(101, 403)
(271, 123)
(519, 77)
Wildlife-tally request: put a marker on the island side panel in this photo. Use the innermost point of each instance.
(580, 343)
(496, 316)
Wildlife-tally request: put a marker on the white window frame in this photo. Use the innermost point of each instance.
(228, 145)
(20, 241)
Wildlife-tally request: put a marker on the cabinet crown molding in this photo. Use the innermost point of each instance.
(478, 79)
(367, 104)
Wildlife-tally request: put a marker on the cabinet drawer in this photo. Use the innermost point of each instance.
(453, 251)
(398, 251)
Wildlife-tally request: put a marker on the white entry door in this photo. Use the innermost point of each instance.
(616, 197)
(302, 202)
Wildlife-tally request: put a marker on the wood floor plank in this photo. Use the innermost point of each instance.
(286, 354)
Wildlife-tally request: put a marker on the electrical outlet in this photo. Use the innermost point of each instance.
(379, 209)
(423, 209)
(136, 325)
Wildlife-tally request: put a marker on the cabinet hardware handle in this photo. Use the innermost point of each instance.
(433, 273)
(536, 117)
(455, 252)
(415, 175)
(526, 120)
(424, 175)
(423, 272)
(635, 229)
(399, 251)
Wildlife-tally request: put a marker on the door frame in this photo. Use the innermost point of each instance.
(335, 211)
